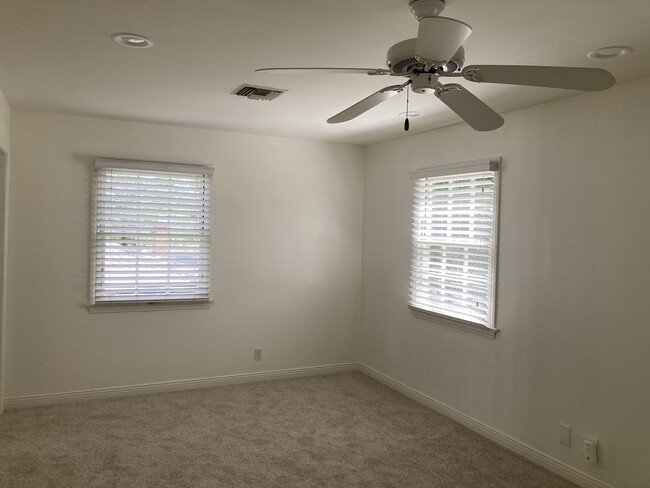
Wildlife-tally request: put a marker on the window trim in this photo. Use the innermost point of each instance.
(141, 305)
(134, 306)
(453, 322)
(488, 164)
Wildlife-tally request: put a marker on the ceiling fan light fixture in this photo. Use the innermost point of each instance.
(132, 40)
(439, 38)
(610, 52)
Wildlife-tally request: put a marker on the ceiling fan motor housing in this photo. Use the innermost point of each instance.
(401, 59)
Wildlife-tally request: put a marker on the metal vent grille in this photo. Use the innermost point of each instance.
(258, 92)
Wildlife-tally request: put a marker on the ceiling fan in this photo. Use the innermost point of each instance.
(437, 53)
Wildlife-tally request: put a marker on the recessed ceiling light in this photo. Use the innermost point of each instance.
(410, 114)
(131, 40)
(609, 52)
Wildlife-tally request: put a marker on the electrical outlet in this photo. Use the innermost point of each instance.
(591, 450)
(565, 435)
(257, 354)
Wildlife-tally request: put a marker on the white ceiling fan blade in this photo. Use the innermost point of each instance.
(292, 71)
(439, 38)
(366, 104)
(590, 79)
(469, 108)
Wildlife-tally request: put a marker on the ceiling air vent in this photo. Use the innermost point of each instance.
(258, 92)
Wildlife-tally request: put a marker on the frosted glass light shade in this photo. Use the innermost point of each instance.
(439, 38)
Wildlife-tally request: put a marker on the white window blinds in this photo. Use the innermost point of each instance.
(454, 234)
(151, 232)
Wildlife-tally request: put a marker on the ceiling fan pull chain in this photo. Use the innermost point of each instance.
(406, 120)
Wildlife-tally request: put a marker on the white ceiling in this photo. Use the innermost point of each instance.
(57, 56)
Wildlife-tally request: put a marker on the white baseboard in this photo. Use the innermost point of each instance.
(166, 386)
(567, 472)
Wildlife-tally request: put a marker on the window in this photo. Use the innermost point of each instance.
(151, 233)
(454, 237)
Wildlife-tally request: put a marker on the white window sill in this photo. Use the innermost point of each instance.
(110, 307)
(452, 322)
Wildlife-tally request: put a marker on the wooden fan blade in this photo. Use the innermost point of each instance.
(589, 79)
(292, 71)
(469, 108)
(366, 104)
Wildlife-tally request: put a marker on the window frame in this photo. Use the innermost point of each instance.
(493, 165)
(133, 305)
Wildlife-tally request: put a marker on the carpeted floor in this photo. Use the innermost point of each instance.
(343, 430)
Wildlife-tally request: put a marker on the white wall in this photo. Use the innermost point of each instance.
(286, 249)
(5, 116)
(574, 271)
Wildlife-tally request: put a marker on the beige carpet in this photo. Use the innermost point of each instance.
(344, 430)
